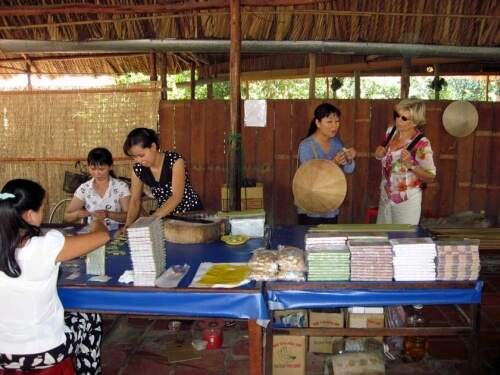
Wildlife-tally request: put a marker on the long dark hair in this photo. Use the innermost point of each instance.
(323, 110)
(28, 195)
(142, 137)
(100, 156)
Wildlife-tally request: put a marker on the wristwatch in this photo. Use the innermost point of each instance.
(412, 167)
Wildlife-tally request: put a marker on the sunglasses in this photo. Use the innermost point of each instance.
(403, 118)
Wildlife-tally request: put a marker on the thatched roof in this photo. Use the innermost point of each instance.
(462, 36)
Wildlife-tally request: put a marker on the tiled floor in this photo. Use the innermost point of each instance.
(136, 345)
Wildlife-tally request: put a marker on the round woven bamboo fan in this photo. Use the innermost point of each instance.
(319, 186)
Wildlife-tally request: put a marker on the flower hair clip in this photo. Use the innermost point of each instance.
(4, 196)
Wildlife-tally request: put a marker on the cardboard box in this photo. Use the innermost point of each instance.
(290, 318)
(357, 320)
(289, 355)
(325, 318)
(179, 347)
(251, 197)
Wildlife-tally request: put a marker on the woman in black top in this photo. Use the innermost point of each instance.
(164, 172)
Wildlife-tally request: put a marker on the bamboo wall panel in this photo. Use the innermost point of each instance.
(362, 129)
(199, 129)
(258, 151)
(381, 116)
(493, 204)
(432, 131)
(166, 118)
(482, 157)
(347, 135)
(465, 152)
(302, 114)
(182, 130)
(217, 128)
(283, 176)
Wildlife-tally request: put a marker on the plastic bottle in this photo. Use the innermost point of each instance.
(416, 347)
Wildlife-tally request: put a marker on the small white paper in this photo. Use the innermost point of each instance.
(172, 276)
(256, 113)
(96, 261)
(100, 278)
(73, 276)
(127, 277)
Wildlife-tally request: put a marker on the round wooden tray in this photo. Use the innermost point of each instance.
(189, 232)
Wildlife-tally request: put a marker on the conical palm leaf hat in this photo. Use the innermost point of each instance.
(460, 118)
(319, 186)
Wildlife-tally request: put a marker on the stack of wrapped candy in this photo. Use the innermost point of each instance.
(458, 259)
(414, 259)
(371, 260)
(146, 239)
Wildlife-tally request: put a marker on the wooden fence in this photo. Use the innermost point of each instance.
(468, 168)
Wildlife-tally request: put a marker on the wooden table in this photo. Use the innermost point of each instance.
(311, 295)
(246, 302)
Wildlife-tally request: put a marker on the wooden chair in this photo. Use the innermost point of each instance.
(62, 368)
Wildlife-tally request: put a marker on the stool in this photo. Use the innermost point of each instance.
(62, 368)
(371, 213)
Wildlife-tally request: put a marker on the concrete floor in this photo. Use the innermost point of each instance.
(136, 345)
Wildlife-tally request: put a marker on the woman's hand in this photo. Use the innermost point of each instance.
(82, 213)
(340, 158)
(100, 214)
(121, 232)
(380, 152)
(405, 158)
(350, 154)
(98, 225)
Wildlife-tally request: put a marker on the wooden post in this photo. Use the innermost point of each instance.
(357, 84)
(193, 81)
(234, 156)
(436, 77)
(164, 76)
(210, 91)
(312, 76)
(153, 77)
(28, 73)
(405, 78)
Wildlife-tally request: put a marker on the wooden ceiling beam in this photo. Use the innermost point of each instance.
(47, 9)
(344, 69)
(38, 10)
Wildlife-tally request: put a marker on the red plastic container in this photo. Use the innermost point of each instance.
(213, 337)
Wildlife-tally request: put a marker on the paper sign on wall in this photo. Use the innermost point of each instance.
(255, 113)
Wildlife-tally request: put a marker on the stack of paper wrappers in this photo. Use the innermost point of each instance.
(457, 259)
(371, 260)
(414, 259)
(327, 256)
(146, 239)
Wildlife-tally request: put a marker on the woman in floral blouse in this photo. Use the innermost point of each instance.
(405, 170)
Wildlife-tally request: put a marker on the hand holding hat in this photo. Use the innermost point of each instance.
(319, 186)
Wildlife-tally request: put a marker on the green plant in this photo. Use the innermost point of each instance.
(438, 84)
(234, 142)
(337, 83)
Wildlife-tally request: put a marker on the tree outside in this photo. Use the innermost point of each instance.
(471, 88)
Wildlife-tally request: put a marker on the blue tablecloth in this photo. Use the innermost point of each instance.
(245, 302)
(329, 295)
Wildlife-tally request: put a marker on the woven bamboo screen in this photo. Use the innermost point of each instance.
(44, 133)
